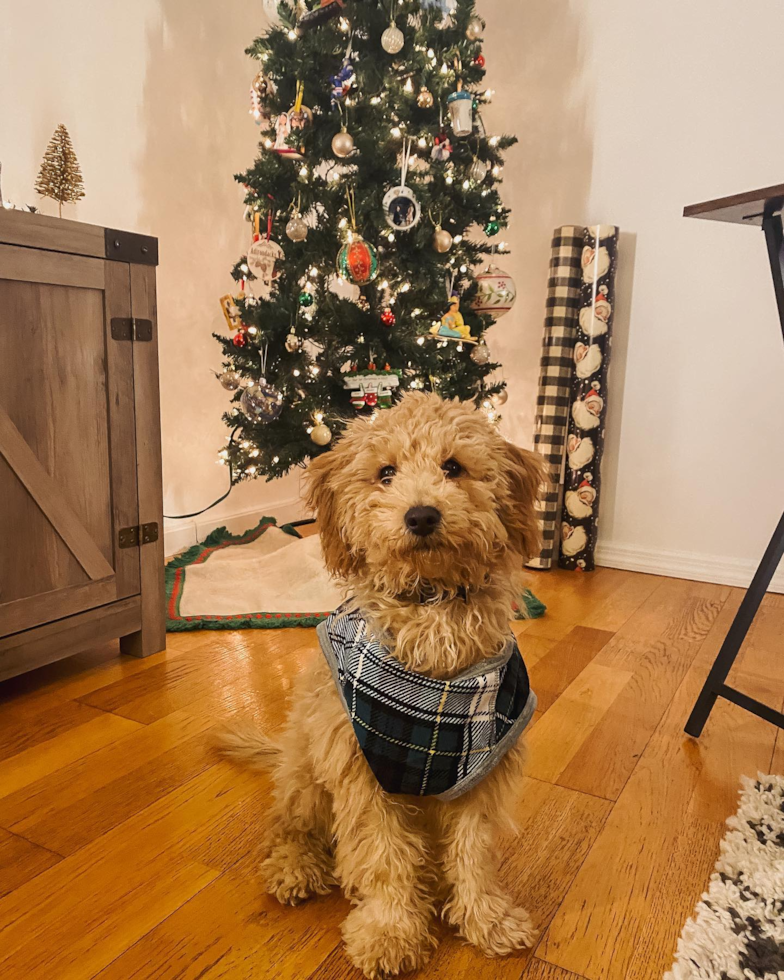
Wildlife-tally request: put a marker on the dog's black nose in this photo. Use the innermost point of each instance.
(422, 520)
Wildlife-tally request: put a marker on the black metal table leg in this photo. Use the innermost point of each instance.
(715, 685)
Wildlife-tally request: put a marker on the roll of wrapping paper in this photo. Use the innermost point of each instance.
(555, 377)
(588, 408)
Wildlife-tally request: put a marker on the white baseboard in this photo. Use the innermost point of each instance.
(684, 564)
(179, 535)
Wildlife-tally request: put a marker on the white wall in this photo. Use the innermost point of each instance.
(628, 112)
(625, 112)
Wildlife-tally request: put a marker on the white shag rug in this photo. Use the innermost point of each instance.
(737, 931)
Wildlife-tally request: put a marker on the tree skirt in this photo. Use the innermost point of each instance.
(265, 578)
(737, 932)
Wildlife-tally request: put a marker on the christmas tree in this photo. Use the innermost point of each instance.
(374, 211)
(60, 177)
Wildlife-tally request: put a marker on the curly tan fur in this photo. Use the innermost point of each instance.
(400, 858)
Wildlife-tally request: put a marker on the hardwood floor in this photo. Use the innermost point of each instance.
(128, 849)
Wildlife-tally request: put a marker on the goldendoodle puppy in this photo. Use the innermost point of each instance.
(400, 757)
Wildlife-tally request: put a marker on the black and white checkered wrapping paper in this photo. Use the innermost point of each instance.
(555, 377)
(421, 735)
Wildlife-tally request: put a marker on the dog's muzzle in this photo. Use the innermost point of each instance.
(422, 521)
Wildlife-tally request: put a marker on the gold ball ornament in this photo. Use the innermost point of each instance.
(500, 398)
(425, 98)
(342, 144)
(321, 434)
(392, 40)
(480, 354)
(230, 380)
(297, 229)
(474, 29)
(292, 343)
(442, 240)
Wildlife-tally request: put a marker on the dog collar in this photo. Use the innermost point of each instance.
(429, 595)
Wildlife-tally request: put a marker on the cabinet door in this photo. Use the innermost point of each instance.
(67, 439)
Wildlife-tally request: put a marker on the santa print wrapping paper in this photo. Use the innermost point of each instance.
(557, 367)
(588, 409)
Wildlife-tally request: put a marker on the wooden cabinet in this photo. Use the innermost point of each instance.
(81, 549)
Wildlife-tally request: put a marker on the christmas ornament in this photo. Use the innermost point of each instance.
(452, 325)
(388, 318)
(321, 434)
(371, 388)
(292, 342)
(261, 402)
(392, 39)
(297, 228)
(315, 18)
(305, 299)
(492, 228)
(480, 354)
(343, 144)
(263, 254)
(500, 398)
(239, 340)
(343, 81)
(261, 88)
(357, 261)
(230, 380)
(442, 240)
(425, 98)
(290, 127)
(442, 148)
(461, 111)
(477, 171)
(231, 311)
(479, 61)
(474, 29)
(496, 292)
(401, 208)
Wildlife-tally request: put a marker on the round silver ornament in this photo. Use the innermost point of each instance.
(297, 228)
(392, 40)
(321, 434)
(500, 398)
(342, 144)
(261, 402)
(442, 240)
(292, 343)
(477, 171)
(480, 354)
(231, 380)
(474, 29)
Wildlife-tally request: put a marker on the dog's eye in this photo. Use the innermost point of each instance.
(385, 474)
(452, 468)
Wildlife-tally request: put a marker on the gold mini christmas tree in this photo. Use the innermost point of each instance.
(60, 177)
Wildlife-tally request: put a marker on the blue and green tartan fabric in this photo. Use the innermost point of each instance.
(423, 736)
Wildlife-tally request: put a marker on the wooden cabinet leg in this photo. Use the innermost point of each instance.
(141, 644)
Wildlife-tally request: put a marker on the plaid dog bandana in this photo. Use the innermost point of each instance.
(419, 735)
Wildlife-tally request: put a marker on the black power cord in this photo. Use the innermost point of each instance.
(182, 517)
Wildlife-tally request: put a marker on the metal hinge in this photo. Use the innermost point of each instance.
(135, 537)
(127, 246)
(131, 328)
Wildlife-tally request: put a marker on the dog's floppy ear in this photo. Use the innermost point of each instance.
(525, 472)
(320, 488)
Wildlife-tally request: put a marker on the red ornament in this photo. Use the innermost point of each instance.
(388, 318)
(239, 340)
(371, 399)
(479, 60)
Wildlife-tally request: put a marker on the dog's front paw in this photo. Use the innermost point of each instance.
(384, 940)
(496, 936)
(293, 873)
